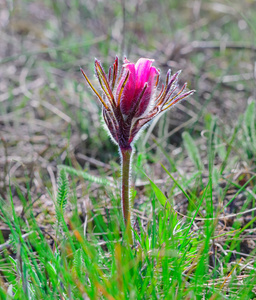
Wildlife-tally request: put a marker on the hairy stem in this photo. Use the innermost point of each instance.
(126, 155)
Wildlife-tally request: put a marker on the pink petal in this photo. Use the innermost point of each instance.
(140, 74)
(144, 101)
(143, 67)
(127, 94)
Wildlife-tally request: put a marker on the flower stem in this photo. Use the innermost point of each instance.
(126, 154)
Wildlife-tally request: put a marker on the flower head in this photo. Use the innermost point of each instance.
(130, 98)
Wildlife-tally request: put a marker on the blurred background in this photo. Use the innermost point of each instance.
(49, 116)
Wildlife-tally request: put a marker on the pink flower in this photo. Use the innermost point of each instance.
(130, 99)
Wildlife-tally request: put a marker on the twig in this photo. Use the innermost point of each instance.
(56, 111)
(93, 161)
(54, 49)
(176, 129)
(202, 46)
(20, 90)
(8, 245)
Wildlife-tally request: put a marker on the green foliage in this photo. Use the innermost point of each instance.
(170, 261)
(85, 175)
(62, 194)
(192, 149)
(159, 195)
(249, 126)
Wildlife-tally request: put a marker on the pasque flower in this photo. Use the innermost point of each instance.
(130, 100)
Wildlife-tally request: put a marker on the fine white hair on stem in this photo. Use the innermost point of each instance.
(129, 181)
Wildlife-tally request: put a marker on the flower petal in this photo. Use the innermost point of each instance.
(150, 76)
(126, 93)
